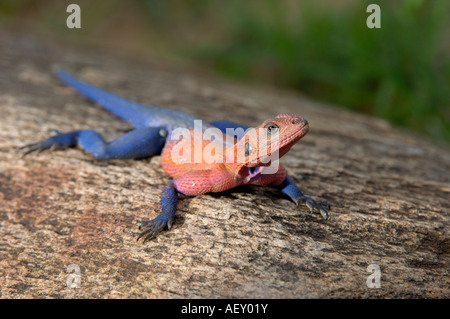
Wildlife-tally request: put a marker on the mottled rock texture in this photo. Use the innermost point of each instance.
(389, 192)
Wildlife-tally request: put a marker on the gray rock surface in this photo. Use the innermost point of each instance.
(389, 192)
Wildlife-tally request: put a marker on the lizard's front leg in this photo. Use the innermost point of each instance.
(169, 199)
(289, 188)
(192, 183)
(138, 143)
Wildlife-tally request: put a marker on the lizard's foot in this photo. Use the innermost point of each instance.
(153, 227)
(322, 207)
(57, 142)
(41, 146)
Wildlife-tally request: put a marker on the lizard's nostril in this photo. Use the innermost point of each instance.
(296, 121)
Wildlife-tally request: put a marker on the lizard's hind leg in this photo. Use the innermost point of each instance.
(138, 143)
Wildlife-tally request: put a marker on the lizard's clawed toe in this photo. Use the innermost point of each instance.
(48, 144)
(322, 207)
(326, 204)
(29, 148)
(324, 213)
(152, 227)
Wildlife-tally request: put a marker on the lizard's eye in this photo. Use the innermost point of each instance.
(272, 128)
(248, 149)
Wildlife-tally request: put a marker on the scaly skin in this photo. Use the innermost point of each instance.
(200, 178)
(246, 160)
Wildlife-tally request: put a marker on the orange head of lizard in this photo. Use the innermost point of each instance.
(269, 141)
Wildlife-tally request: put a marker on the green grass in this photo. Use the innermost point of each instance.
(400, 72)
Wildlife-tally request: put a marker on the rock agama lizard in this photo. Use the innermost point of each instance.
(153, 134)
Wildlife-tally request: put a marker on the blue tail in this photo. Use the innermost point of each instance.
(134, 113)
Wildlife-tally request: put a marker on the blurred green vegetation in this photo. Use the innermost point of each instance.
(400, 72)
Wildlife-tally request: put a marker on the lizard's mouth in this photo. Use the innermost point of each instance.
(255, 171)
